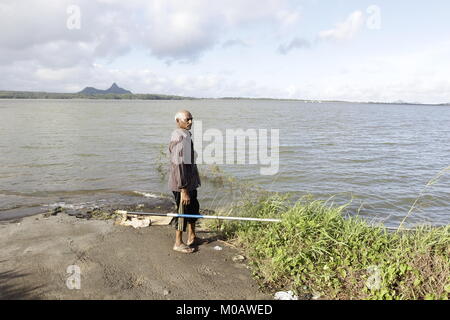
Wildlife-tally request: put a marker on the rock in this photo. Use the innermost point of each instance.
(134, 221)
(56, 211)
(166, 292)
(285, 295)
(140, 223)
(316, 296)
(207, 211)
(53, 212)
(238, 258)
(83, 215)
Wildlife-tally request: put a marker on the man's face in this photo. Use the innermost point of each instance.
(185, 122)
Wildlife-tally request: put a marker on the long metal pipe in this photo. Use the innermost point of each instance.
(176, 215)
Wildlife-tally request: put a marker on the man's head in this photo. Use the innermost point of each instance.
(184, 119)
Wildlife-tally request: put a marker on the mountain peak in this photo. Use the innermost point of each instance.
(115, 89)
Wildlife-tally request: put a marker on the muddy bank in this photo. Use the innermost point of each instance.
(115, 262)
(19, 205)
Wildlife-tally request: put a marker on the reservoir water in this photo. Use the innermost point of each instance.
(78, 153)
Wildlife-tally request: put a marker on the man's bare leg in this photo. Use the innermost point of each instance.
(191, 233)
(178, 238)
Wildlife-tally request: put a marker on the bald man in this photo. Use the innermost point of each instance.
(184, 181)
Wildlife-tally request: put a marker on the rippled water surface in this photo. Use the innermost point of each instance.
(88, 152)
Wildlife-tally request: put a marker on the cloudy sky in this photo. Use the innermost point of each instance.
(379, 50)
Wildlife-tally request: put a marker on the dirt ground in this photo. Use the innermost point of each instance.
(115, 262)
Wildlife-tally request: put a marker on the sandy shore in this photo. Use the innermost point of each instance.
(116, 262)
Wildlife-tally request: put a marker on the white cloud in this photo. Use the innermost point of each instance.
(37, 31)
(185, 29)
(294, 44)
(235, 43)
(47, 74)
(169, 29)
(39, 51)
(288, 18)
(29, 76)
(420, 76)
(345, 30)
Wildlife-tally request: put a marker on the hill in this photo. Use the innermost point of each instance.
(114, 89)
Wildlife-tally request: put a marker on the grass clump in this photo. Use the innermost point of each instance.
(317, 250)
(99, 214)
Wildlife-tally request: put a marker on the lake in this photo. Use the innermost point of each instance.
(85, 153)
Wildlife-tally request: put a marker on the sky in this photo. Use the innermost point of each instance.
(355, 50)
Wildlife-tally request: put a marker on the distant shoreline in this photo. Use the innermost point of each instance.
(108, 96)
(40, 95)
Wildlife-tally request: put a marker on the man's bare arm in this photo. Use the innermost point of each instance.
(185, 199)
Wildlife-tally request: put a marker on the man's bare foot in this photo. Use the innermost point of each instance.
(183, 248)
(196, 241)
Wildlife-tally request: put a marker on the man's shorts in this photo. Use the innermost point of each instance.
(192, 208)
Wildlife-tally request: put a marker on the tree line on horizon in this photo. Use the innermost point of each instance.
(51, 95)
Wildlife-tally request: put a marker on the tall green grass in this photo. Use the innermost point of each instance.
(317, 250)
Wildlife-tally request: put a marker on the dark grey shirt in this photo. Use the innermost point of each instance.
(183, 173)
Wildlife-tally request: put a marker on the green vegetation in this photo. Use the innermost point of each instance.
(317, 250)
(50, 95)
(101, 214)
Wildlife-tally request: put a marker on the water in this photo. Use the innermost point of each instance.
(79, 153)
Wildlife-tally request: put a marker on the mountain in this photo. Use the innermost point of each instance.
(115, 89)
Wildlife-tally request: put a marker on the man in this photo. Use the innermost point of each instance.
(184, 180)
